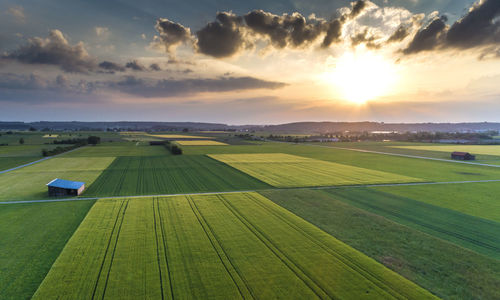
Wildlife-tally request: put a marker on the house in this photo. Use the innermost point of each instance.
(462, 156)
(61, 187)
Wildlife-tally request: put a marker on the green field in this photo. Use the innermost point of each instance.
(474, 149)
(120, 149)
(232, 246)
(32, 236)
(284, 170)
(475, 199)
(445, 269)
(441, 237)
(30, 182)
(200, 143)
(477, 234)
(153, 175)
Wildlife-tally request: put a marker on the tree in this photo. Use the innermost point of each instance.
(21, 141)
(32, 128)
(93, 140)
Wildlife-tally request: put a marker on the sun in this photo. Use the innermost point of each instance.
(364, 76)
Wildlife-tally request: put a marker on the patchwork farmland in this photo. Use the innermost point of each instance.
(231, 218)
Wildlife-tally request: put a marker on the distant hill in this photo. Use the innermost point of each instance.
(298, 127)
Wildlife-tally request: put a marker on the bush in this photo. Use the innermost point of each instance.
(174, 149)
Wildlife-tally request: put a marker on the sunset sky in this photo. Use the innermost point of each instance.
(250, 62)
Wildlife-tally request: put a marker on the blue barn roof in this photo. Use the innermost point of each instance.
(66, 184)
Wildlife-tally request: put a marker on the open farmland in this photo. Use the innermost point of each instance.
(474, 149)
(475, 199)
(447, 270)
(120, 149)
(231, 246)
(181, 136)
(284, 170)
(200, 143)
(477, 234)
(32, 236)
(30, 182)
(169, 174)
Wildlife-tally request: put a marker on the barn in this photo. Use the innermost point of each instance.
(462, 156)
(61, 187)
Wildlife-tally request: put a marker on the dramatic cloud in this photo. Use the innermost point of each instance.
(400, 34)
(230, 33)
(111, 66)
(171, 34)
(154, 67)
(54, 50)
(367, 38)
(480, 27)
(221, 38)
(168, 88)
(429, 37)
(135, 66)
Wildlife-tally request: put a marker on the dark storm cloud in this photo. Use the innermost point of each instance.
(429, 37)
(155, 67)
(366, 38)
(135, 66)
(111, 66)
(357, 8)
(171, 34)
(400, 34)
(480, 27)
(168, 87)
(230, 33)
(54, 50)
(286, 30)
(221, 38)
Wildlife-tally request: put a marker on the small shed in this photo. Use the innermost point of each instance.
(61, 187)
(462, 156)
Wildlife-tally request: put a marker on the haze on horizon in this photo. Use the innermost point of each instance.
(252, 62)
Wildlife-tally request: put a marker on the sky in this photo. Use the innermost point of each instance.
(250, 62)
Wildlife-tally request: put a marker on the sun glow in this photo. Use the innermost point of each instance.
(362, 76)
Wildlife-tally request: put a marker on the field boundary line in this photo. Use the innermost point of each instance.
(114, 248)
(373, 278)
(326, 187)
(37, 161)
(165, 249)
(203, 222)
(292, 266)
(158, 249)
(106, 251)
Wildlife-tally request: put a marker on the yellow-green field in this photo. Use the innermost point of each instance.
(200, 143)
(30, 182)
(51, 136)
(285, 170)
(180, 136)
(473, 149)
(238, 246)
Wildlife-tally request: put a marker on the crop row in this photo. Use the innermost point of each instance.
(231, 246)
(284, 170)
(169, 174)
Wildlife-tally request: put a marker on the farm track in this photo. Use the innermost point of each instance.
(113, 236)
(250, 191)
